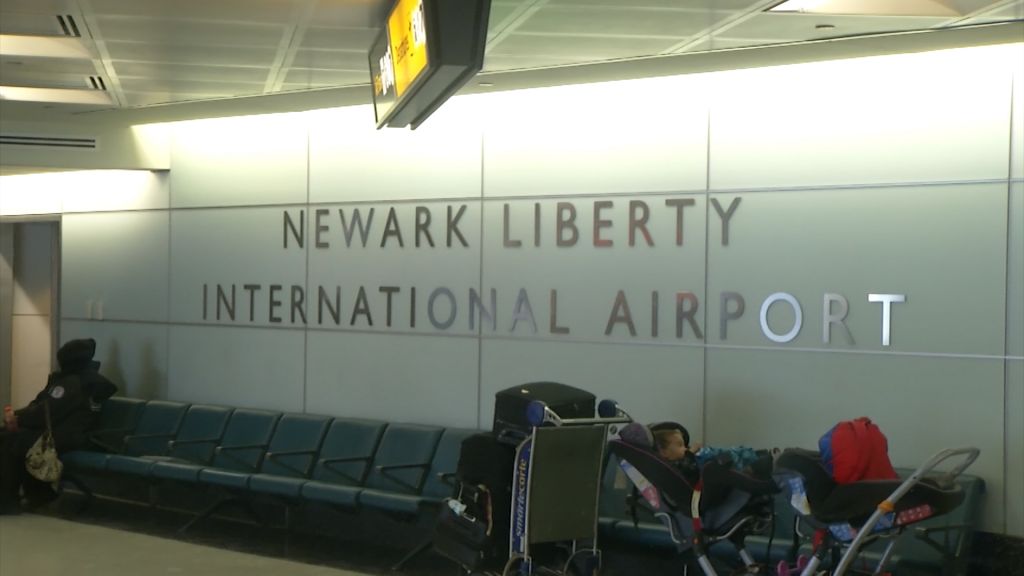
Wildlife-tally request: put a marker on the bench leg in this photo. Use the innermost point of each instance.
(81, 487)
(423, 547)
(217, 507)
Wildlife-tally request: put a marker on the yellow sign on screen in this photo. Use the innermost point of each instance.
(407, 32)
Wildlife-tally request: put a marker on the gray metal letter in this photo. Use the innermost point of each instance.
(886, 300)
(555, 328)
(741, 305)
(507, 241)
(523, 311)
(430, 308)
(830, 318)
(797, 322)
(726, 216)
(688, 313)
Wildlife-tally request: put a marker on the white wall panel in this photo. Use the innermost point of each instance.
(33, 249)
(1015, 365)
(393, 377)
(652, 383)
(587, 277)
(350, 160)
(244, 367)
(1015, 272)
(1015, 448)
(930, 117)
(30, 357)
(102, 190)
(943, 247)
(789, 399)
(239, 161)
(1017, 128)
(229, 249)
(643, 136)
(133, 355)
(114, 266)
(352, 267)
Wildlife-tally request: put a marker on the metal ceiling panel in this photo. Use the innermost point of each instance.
(339, 38)
(299, 78)
(721, 43)
(38, 24)
(38, 6)
(332, 60)
(351, 13)
(619, 21)
(182, 73)
(699, 5)
(495, 62)
(211, 87)
(193, 32)
(580, 48)
(190, 54)
(15, 64)
(267, 11)
(45, 79)
(1012, 11)
(792, 27)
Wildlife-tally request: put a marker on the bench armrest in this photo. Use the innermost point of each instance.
(389, 467)
(173, 443)
(275, 456)
(347, 459)
(385, 470)
(227, 451)
(239, 447)
(289, 453)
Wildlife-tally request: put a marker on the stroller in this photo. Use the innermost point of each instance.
(853, 515)
(723, 504)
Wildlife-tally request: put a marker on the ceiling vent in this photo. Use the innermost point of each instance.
(97, 83)
(48, 141)
(68, 25)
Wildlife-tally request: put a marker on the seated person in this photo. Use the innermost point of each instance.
(73, 395)
(718, 467)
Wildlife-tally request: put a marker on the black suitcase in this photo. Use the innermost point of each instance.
(510, 423)
(485, 462)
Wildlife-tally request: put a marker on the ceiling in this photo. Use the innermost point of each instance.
(147, 53)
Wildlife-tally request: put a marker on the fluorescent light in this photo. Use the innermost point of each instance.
(43, 47)
(939, 8)
(55, 95)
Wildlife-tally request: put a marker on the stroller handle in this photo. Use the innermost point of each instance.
(970, 455)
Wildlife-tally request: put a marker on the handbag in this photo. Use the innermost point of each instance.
(462, 531)
(41, 460)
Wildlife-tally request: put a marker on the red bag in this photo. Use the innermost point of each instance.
(855, 450)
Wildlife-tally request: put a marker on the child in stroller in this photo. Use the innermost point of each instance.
(700, 504)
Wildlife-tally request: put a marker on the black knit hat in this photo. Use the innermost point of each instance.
(76, 354)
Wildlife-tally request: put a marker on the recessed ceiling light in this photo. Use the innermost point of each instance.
(486, 84)
(937, 8)
(55, 95)
(43, 46)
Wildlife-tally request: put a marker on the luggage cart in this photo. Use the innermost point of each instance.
(555, 489)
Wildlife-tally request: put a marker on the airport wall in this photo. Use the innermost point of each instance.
(756, 254)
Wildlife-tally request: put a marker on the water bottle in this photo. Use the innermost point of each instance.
(10, 420)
